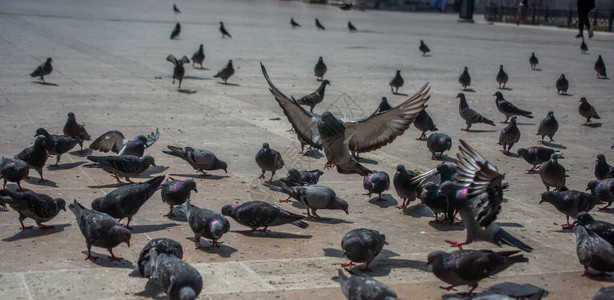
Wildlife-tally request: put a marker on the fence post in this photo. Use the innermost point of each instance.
(546, 15)
(500, 13)
(610, 21)
(533, 19)
(569, 19)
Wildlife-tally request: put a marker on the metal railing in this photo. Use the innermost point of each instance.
(601, 20)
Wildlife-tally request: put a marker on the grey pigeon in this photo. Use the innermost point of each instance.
(604, 293)
(593, 251)
(175, 9)
(363, 287)
(376, 183)
(583, 47)
(600, 68)
(39, 207)
(146, 263)
(35, 155)
(509, 109)
(256, 214)
(535, 156)
(314, 98)
(548, 127)
(465, 79)
(502, 77)
(587, 111)
(178, 70)
(562, 85)
(225, 72)
(319, 25)
(602, 169)
(403, 186)
(424, 123)
(604, 229)
(76, 130)
(424, 48)
(469, 115)
(435, 201)
(295, 177)
(438, 142)
(604, 189)
(320, 69)
(362, 245)
(176, 31)
(206, 223)
(313, 196)
(201, 160)
(179, 280)
(122, 166)
(223, 31)
(268, 159)
(533, 61)
(438, 175)
(351, 27)
(199, 57)
(570, 203)
(294, 24)
(553, 174)
(176, 192)
(468, 267)
(396, 82)
(126, 201)
(383, 106)
(56, 144)
(13, 170)
(115, 141)
(43, 70)
(100, 230)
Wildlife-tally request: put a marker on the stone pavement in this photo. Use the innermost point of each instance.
(110, 70)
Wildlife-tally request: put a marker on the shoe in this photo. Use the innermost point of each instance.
(579, 35)
(590, 32)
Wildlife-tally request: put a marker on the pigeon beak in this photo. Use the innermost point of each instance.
(153, 164)
(427, 263)
(574, 224)
(64, 208)
(195, 190)
(128, 243)
(225, 171)
(494, 94)
(540, 202)
(346, 212)
(587, 189)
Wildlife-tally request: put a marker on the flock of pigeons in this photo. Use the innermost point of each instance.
(471, 186)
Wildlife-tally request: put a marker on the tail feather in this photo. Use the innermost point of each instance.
(564, 188)
(174, 151)
(487, 121)
(508, 239)
(278, 186)
(300, 224)
(525, 113)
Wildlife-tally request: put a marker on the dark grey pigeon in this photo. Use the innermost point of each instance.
(509, 109)
(469, 115)
(553, 174)
(502, 77)
(376, 183)
(583, 47)
(39, 207)
(35, 155)
(438, 175)
(533, 61)
(602, 169)
(363, 287)
(383, 106)
(314, 98)
(225, 72)
(179, 280)
(256, 214)
(438, 142)
(176, 31)
(122, 166)
(570, 203)
(201, 160)
(320, 69)
(424, 123)
(178, 70)
(43, 70)
(604, 189)
(424, 48)
(604, 229)
(465, 79)
(206, 223)
(435, 201)
(294, 24)
(295, 177)
(175, 9)
(396, 82)
(100, 230)
(600, 68)
(468, 267)
(313, 196)
(593, 251)
(56, 144)
(176, 192)
(319, 25)
(548, 127)
(362, 245)
(13, 170)
(604, 293)
(351, 27)
(403, 186)
(76, 130)
(146, 264)
(562, 85)
(126, 201)
(268, 160)
(115, 141)
(199, 57)
(587, 111)
(535, 156)
(224, 31)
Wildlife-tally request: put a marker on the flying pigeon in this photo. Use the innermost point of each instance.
(562, 85)
(509, 135)
(376, 183)
(313, 196)
(314, 98)
(509, 109)
(199, 57)
(201, 160)
(146, 263)
(604, 229)
(533, 61)
(320, 69)
(178, 70)
(469, 115)
(225, 72)
(438, 142)
(583, 47)
(176, 31)
(319, 25)
(35, 155)
(465, 79)
(587, 111)
(268, 159)
(502, 77)
(424, 48)
(175, 9)
(548, 127)
(396, 82)
(535, 156)
(553, 174)
(295, 177)
(13, 170)
(436, 202)
(39, 207)
(604, 189)
(362, 245)
(602, 169)
(570, 203)
(224, 31)
(593, 251)
(402, 185)
(206, 223)
(424, 123)
(75, 130)
(351, 27)
(179, 280)
(600, 68)
(176, 192)
(56, 144)
(115, 141)
(122, 166)
(43, 70)
(364, 287)
(256, 214)
(293, 23)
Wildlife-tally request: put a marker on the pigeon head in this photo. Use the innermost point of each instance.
(228, 209)
(325, 82)
(522, 152)
(584, 218)
(190, 185)
(61, 203)
(498, 95)
(400, 168)
(532, 53)
(339, 203)
(123, 232)
(398, 72)
(461, 96)
(384, 100)
(513, 120)
(430, 186)
(71, 116)
(562, 76)
(449, 189)
(265, 145)
(201, 47)
(320, 59)
(466, 69)
(221, 23)
(216, 228)
(592, 186)
(583, 100)
(421, 42)
(600, 158)
(436, 258)
(51, 60)
(40, 139)
(41, 131)
(148, 160)
(500, 67)
(229, 63)
(186, 293)
(222, 165)
(554, 157)
(551, 114)
(141, 138)
(548, 197)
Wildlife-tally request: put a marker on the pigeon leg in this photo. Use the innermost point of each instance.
(285, 200)
(456, 244)
(605, 207)
(57, 161)
(348, 264)
(379, 198)
(173, 80)
(170, 213)
(89, 255)
(436, 221)
(505, 122)
(23, 227)
(128, 179)
(567, 226)
(366, 268)
(204, 173)
(291, 130)
(113, 257)
(470, 292)
(42, 180)
(199, 246)
(270, 179)
(246, 231)
(330, 164)
(367, 194)
(263, 229)
(448, 288)
(116, 178)
(402, 206)
(43, 226)
(127, 224)
(215, 243)
(43, 78)
(531, 169)
(261, 175)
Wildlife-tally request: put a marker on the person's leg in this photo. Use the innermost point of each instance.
(582, 19)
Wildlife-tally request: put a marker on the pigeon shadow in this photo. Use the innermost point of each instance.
(325, 220)
(275, 235)
(106, 261)
(519, 123)
(151, 228)
(111, 185)
(186, 91)
(400, 94)
(367, 161)
(479, 131)
(197, 77)
(566, 94)
(510, 224)
(510, 154)
(330, 252)
(593, 125)
(387, 201)
(222, 250)
(505, 89)
(65, 166)
(417, 211)
(152, 170)
(537, 69)
(35, 232)
(604, 78)
(85, 152)
(211, 176)
(46, 83)
(554, 145)
(201, 68)
(469, 90)
(153, 291)
(514, 290)
(229, 84)
(604, 277)
(313, 153)
(382, 267)
(36, 181)
(444, 158)
(447, 226)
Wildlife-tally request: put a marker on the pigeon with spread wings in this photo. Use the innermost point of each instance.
(115, 141)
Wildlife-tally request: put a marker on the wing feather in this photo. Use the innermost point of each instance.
(110, 141)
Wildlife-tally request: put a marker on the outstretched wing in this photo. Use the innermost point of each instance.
(152, 138)
(110, 141)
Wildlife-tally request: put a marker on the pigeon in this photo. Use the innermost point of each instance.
(175, 9)
(570, 203)
(43, 70)
(35, 155)
(100, 230)
(351, 27)
(402, 185)
(465, 79)
(201, 160)
(313, 196)
(424, 48)
(509, 135)
(206, 223)
(75, 130)
(468, 267)
(56, 144)
(256, 214)
(179, 70)
(176, 31)
(604, 229)
(362, 245)
(424, 123)
(329, 133)
(442, 173)
(435, 201)
(376, 183)
(39, 207)
(438, 142)
(477, 193)
(548, 127)
(583, 47)
(562, 85)
(533, 61)
(587, 111)
(13, 170)
(383, 106)
(179, 279)
(509, 109)
(600, 68)
(115, 141)
(199, 57)
(294, 24)
(126, 201)
(363, 287)
(604, 293)
(295, 177)
(469, 115)
(396, 82)
(320, 69)
(122, 166)
(502, 77)
(146, 263)
(225, 72)
(319, 25)
(535, 156)
(602, 169)
(604, 189)
(268, 160)
(314, 98)
(224, 31)
(553, 174)
(593, 251)
(176, 192)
